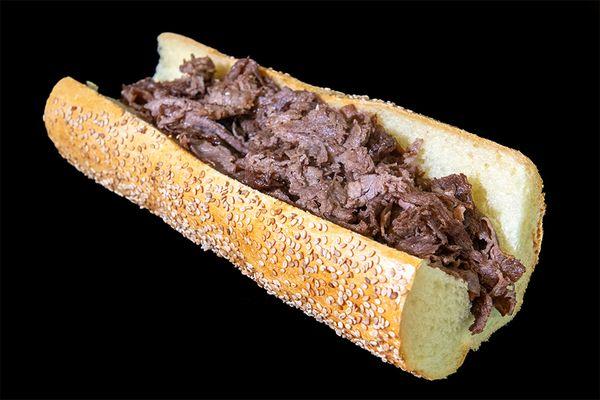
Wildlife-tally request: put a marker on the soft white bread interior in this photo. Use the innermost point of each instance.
(507, 187)
(386, 301)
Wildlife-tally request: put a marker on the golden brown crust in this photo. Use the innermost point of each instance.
(355, 285)
(539, 233)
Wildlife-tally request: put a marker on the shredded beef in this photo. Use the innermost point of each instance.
(339, 164)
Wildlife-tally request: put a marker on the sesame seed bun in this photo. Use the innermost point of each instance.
(386, 301)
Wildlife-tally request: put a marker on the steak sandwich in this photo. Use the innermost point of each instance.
(411, 238)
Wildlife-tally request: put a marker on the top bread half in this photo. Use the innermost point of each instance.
(427, 324)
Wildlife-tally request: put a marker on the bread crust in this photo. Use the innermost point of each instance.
(353, 284)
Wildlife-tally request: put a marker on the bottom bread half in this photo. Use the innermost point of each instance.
(386, 301)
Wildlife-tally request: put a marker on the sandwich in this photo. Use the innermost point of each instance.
(413, 239)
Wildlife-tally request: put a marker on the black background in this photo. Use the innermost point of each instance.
(101, 299)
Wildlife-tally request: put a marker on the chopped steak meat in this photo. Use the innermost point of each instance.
(339, 164)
